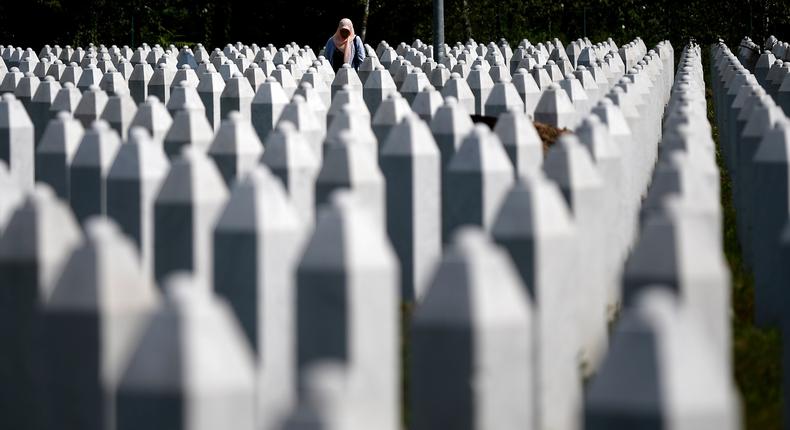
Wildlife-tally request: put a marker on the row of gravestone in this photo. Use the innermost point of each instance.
(749, 52)
(751, 127)
(125, 58)
(265, 104)
(772, 70)
(60, 156)
(548, 222)
(680, 217)
(110, 73)
(342, 303)
(755, 136)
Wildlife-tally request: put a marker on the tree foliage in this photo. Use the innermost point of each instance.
(129, 22)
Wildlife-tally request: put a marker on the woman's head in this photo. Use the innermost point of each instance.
(345, 28)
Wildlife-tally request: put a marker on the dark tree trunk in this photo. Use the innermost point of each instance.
(364, 27)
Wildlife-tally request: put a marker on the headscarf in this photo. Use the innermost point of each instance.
(345, 44)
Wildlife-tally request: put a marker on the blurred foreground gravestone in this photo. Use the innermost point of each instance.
(191, 367)
(185, 211)
(257, 241)
(35, 246)
(347, 308)
(472, 359)
(96, 312)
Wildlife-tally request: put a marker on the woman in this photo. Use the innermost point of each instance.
(344, 47)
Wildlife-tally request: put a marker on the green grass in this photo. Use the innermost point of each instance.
(757, 352)
(406, 312)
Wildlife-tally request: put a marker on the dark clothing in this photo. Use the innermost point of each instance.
(357, 55)
(337, 60)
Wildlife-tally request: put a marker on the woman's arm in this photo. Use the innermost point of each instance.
(329, 50)
(359, 52)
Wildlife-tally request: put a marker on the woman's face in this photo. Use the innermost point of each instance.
(344, 32)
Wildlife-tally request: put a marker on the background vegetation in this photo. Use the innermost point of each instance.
(129, 22)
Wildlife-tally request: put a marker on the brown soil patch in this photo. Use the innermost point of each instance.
(549, 134)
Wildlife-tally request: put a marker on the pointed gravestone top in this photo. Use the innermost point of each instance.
(237, 86)
(11, 80)
(285, 79)
(42, 230)
(439, 76)
(660, 370)
(182, 93)
(26, 88)
(482, 151)
(91, 105)
(152, 116)
(345, 222)
(503, 97)
(345, 96)
(236, 136)
(451, 118)
(541, 77)
(533, 208)
(267, 106)
(298, 113)
(413, 83)
(119, 111)
(113, 83)
(457, 88)
(569, 164)
(351, 164)
(236, 148)
(595, 136)
(143, 159)
(286, 148)
(90, 76)
(665, 238)
(192, 348)
(270, 92)
(426, 102)
(193, 177)
(410, 137)
(103, 274)
(258, 203)
(391, 111)
(355, 120)
(555, 108)
(521, 141)
(67, 99)
(189, 127)
(460, 294)
(775, 145)
(186, 73)
(476, 181)
(611, 115)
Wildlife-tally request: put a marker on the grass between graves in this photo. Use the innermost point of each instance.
(406, 311)
(757, 352)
